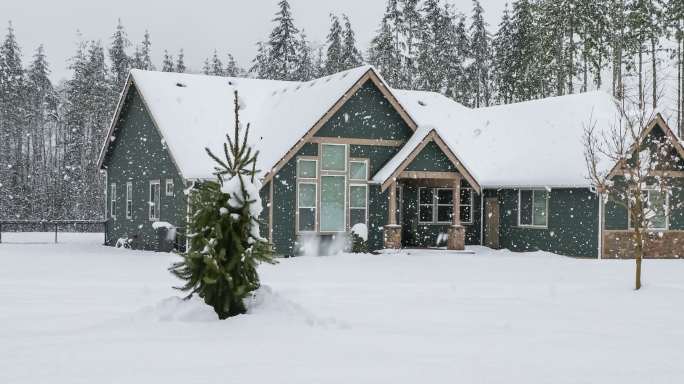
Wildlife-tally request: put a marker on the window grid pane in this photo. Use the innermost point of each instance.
(525, 207)
(358, 170)
(332, 204)
(307, 169)
(357, 196)
(425, 214)
(334, 157)
(307, 195)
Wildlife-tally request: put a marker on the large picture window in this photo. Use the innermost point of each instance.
(112, 201)
(332, 204)
(155, 200)
(358, 204)
(436, 205)
(306, 206)
(334, 157)
(533, 206)
(129, 200)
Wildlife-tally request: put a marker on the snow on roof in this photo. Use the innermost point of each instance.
(529, 144)
(194, 112)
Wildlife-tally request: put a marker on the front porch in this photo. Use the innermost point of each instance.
(426, 209)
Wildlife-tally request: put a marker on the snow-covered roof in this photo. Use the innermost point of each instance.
(194, 112)
(529, 144)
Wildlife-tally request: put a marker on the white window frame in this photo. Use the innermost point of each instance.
(365, 164)
(166, 187)
(546, 215)
(314, 207)
(648, 196)
(344, 195)
(152, 207)
(112, 201)
(129, 200)
(349, 208)
(346, 158)
(436, 205)
(315, 160)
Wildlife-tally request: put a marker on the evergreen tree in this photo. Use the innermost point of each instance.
(167, 63)
(260, 65)
(220, 265)
(120, 62)
(305, 70)
(410, 30)
(351, 57)
(232, 68)
(206, 68)
(480, 51)
(216, 68)
(283, 55)
(146, 53)
(434, 49)
(334, 58)
(526, 85)
(180, 62)
(13, 110)
(504, 77)
(384, 52)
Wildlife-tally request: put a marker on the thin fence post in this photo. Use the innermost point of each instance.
(56, 227)
(0, 232)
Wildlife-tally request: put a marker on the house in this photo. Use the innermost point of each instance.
(417, 168)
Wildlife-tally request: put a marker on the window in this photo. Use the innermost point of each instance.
(533, 206)
(112, 199)
(466, 205)
(129, 200)
(358, 170)
(657, 207)
(306, 168)
(358, 197)
(169, 187)
(333, 157)
(306, 207)
(436, 205)
(154, 203)
(332, 204)
(426, 200)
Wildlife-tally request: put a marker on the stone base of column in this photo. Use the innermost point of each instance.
(392, 236)
(456, 239)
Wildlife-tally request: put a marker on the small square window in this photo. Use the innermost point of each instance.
(358, 170)
(306, 169)
(334, 157)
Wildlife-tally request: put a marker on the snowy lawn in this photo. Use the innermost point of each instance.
(78, 312)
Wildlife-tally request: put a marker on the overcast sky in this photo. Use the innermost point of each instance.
(197, 26)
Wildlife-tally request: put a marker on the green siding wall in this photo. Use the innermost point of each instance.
(572, 223)
(138, 155)
(366, 115)
(431, 158)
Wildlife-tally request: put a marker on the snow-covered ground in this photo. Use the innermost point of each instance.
(78, 312)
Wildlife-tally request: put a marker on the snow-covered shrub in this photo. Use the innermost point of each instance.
(359, 238)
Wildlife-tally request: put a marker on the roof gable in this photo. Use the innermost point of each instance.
(431, 158)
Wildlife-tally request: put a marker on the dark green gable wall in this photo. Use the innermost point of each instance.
(431, 158)
(572, 223)
(366, 115)
(138, 155)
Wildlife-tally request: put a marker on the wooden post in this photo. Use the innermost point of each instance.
(56, 226)
(0, 232)
(456, 189)
(392, 210)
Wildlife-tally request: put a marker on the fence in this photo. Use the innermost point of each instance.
(54, 225)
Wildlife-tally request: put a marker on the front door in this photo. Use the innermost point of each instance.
(492, 222)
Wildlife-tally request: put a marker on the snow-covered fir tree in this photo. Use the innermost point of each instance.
(334, 59)
(410, 30)
(232, 69)
(216, 66)
(502, 62)
(220, 264)
(180, 62)
(283, 44)
(351, 57)
(481, 57)
(305, 69)
(120, 62)
(384, 55)
(167, 63)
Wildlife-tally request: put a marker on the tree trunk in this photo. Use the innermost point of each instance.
(641, 79)
(653, 68)
(639, 252)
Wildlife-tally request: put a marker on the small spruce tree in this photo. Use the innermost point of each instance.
(225, 244)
